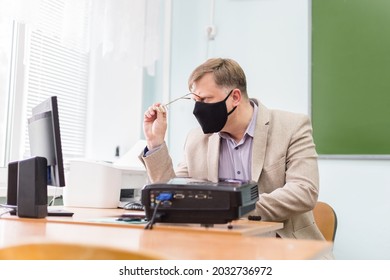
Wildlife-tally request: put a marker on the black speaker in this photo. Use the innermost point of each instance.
(12, 183)
(32, 188)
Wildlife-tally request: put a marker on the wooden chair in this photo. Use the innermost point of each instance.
(326, 220)
(67, 251)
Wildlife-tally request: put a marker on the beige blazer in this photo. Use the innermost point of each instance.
(284, 163)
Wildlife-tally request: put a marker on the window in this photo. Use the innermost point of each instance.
(5, 65)
(58, 65)
(47, 56)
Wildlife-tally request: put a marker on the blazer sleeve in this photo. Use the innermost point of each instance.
(290, 186)
(158, 165)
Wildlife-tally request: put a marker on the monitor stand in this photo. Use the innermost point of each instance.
(51, 212)
(58, 212)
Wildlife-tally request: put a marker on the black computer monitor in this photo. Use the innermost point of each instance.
(45, 139)
(45, 142)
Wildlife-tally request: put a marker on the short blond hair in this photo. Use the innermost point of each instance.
(227, 73)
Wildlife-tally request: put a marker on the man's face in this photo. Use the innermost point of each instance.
(214, 104)
(207, 91)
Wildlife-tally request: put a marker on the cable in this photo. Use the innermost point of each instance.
(52, 201)
(149, 225)
(10, 209)
(7, 206)
(54, 197)
(162, 197)
(7, 210)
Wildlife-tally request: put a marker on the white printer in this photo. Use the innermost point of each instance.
(99, 184)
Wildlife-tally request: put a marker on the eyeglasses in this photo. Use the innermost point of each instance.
(182, 97)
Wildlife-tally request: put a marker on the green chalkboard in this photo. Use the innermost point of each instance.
(351, 77)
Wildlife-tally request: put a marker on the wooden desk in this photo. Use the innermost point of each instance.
(107, 217)
(185, 245)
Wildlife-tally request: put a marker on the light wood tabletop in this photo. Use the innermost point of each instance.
(174, 245)
(108, 217)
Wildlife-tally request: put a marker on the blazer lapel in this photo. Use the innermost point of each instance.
(259, 141)
(213, 157)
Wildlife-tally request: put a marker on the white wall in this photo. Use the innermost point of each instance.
(124, 43)
(115, 105)
(271, 40)
(359, 191)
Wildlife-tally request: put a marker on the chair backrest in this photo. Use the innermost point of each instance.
(326, 220)
(67, 251)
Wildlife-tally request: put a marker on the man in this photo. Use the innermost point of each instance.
(240, 138)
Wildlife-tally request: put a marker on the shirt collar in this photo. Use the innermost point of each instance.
(250, 130)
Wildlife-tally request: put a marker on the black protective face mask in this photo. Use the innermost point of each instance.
(212, 117)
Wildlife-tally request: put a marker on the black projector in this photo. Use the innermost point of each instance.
(184, 200)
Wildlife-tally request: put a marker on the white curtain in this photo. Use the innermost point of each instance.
(127, 28)
(119, 27)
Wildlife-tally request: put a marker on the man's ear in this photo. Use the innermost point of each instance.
(236, 96)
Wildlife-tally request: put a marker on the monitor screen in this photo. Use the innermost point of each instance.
(45, 139)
